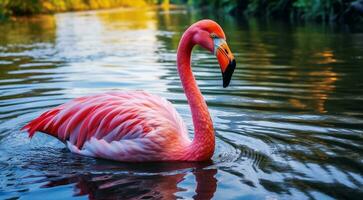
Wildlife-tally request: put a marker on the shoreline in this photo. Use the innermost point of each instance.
(353, 18)
(9, 10)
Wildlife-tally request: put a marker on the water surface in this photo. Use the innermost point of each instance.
(288, 127)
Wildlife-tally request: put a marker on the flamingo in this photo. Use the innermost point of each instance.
(136, 126)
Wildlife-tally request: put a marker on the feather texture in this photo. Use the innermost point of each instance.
(123, 126)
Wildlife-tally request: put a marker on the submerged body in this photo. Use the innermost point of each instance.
(136, 126)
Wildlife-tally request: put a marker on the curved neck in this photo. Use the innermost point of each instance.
(202, 147)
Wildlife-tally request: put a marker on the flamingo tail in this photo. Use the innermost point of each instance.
(41, 123)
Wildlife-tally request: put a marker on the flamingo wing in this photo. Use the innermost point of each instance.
(124, 126)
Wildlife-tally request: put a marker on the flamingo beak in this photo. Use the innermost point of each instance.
(225, 59)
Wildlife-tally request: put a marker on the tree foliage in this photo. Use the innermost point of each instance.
(28, 7)
(320, 10)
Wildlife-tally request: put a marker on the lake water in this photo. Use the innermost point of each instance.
(288, 127)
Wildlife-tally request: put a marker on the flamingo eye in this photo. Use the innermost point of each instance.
(213, 35)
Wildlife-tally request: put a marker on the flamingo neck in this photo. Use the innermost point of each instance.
(202, 147)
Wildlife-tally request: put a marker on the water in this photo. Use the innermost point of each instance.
(289, 126)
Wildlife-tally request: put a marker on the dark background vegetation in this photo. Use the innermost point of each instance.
(345, 11)
(332, 11)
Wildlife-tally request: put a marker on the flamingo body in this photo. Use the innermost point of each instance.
(123, 126)
(136, 126)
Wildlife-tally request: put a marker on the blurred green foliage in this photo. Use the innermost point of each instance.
(305, 10)
(319, 10)
(29, 7)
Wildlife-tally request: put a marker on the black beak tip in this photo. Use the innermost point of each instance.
(227, 74)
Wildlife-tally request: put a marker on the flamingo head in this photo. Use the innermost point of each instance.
(210, 36)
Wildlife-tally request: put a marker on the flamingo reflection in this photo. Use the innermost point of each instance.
(160, 181)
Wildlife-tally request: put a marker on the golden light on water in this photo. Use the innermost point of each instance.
(111, 45)
(326, 57)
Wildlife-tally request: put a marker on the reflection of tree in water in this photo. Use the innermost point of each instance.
(174, 22)
(24, 43)
(28, 30)
(295, 66)
(321, 82)
(129, 19)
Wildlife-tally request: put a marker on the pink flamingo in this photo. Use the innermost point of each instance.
(136, 126)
